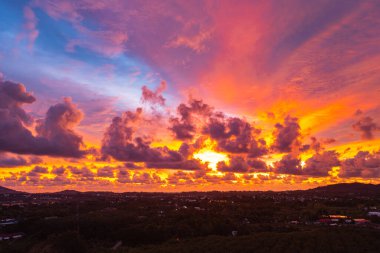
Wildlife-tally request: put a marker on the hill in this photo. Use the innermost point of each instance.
(346, 188)
(4, 190)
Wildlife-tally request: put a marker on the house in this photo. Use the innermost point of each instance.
(6, 222)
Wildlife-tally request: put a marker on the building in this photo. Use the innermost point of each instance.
(372, 213)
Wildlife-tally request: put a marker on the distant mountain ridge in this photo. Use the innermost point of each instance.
(349, 188)
(68, 192)
(4, 190)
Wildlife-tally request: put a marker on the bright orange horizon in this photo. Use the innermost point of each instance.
(188, 95)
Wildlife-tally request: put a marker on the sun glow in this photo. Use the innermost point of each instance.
(211, 157)
(207, 155)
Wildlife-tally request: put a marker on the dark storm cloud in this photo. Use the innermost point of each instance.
(286, 135)
(235, 135)
(54, 134)
(364, 164)
(120, 142)
(366, 126)
(184, 127)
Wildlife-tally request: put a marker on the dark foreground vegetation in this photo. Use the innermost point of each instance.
(322, 220)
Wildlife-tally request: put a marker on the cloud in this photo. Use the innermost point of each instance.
(146, 178)
(288, 165)
(195, 42)
(363, 165)
(237, 164)
(119, 141)
(235, 135)
(132, 166)
(286, 135)
(34, 176)
(30, 32)
(57, 127)
(58, 170)
(317, 166)
(257, 165)
(185, 126)
(181, 178)
(125, 177)
(317, 145)
(320, 164)
(81, 174)
(192, 164)
(366, 126)
(105, 172)
(154, 97)
(55, 136)
(8, 160)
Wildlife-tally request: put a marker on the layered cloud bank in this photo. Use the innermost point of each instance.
(179, 95)
(211, 148)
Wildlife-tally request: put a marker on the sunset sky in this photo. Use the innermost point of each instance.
(118, 95)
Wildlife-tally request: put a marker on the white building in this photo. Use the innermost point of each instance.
(374, 214)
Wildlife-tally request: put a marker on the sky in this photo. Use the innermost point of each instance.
(188, 95)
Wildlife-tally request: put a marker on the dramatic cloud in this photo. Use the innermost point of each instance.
(57, 128)
(364, 165)
(286, 135)
(185, 126)
(366, 126)
(237, 164)
(54, 134)
(283, 83)
(257, 165)
(316, 166)
(120, 143)
(288, 165)
(235, 135)
(320, 164)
